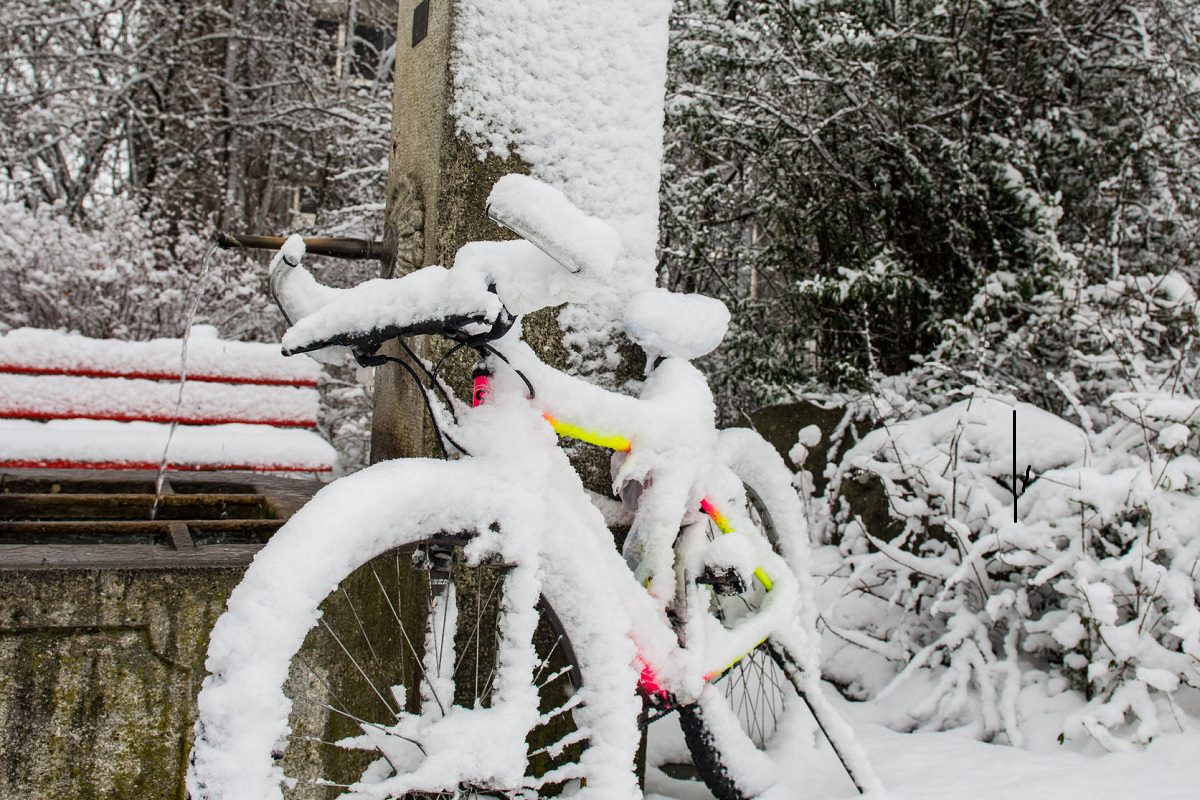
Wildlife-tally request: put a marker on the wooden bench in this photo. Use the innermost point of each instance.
(70, 402)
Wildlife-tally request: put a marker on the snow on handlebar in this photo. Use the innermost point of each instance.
(544, 216)
(564, 256)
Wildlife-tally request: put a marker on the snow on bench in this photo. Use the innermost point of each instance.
(70, 402)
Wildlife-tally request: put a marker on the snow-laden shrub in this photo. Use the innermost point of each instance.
(1093, 577)
(132, 275)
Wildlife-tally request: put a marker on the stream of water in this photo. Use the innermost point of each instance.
(193, 306)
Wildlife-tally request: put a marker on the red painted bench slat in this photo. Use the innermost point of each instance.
(74, 397)
(69, 402)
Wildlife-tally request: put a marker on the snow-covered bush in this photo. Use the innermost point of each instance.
(123, 277)
(1082, 563)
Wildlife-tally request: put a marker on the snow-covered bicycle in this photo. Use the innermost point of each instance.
(476, 631)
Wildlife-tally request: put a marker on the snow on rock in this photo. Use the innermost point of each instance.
(139, 445)
(35, 351)
(980, 431)
(576, 90)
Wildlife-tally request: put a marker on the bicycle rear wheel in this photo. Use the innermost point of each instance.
(753, 694)
(743, 713)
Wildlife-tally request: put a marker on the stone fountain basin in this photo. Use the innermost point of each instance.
(104, 620)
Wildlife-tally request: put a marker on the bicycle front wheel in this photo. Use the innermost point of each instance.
(409, 638)
(390, 659)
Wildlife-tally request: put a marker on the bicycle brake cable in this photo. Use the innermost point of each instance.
(375, 359)
(502, 357)
(442, 361)
(433, 381)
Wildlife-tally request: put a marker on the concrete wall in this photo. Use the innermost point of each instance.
(100, 672)
(104, 633)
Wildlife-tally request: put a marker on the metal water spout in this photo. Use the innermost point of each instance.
(359, 249)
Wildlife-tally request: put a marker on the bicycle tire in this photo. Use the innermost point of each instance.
(338, 694)
(755, 691)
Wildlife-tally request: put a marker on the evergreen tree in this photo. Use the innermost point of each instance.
(851, 176)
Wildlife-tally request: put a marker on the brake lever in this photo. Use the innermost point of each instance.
(368, 356)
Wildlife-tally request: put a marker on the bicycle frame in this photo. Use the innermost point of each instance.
(649, 682)
(643, 611)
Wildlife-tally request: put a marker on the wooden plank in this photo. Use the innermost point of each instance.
(121, 532)
(42, 352)
(132, 556)
(67, 397)
(16, 507)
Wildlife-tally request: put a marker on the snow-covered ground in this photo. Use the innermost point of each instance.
(925, 765)
(952, 764)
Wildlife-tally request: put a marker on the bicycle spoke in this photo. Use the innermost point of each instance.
(404, 632)
(445, 618)
(358, 667)
(478, 620)
(570, 705)
(546, 661)
(354, 717)
(322, 782)
(754, 675)
(312, 671)
(555, 748)
(362, 629)
(475, 630)
(765, 706)
(564, 671)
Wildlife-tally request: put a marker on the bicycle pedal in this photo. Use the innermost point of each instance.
(725, 582)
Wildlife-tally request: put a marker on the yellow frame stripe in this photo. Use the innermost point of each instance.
(608, 440)
(731, 664)
(621, 443)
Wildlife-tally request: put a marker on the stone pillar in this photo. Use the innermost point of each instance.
(438, 184)
(437, 189)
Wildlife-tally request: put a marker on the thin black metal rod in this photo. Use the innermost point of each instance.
(1014, 481)
(317, 245)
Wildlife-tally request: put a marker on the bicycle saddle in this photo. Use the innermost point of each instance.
(676, 325)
